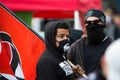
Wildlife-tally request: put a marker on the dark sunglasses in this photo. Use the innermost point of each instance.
(91, 22)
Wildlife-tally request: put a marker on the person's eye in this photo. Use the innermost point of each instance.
(88, 22)
(97, 21)
(61, 36)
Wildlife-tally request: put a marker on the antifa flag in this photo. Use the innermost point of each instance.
(20, 48)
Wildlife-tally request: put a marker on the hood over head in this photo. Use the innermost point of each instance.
(50, 33)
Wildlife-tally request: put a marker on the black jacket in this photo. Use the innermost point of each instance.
(86, 55)
(51, 62)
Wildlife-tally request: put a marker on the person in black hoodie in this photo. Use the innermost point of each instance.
(52, 65)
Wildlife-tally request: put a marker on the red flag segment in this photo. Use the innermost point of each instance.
(28, 45)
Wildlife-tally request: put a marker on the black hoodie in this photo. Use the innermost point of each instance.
(48, 67)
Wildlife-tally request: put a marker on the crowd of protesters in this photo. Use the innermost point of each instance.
(93, 57)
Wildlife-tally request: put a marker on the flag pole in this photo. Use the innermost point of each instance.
(72, 65)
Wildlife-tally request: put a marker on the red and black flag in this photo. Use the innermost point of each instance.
(20, 47)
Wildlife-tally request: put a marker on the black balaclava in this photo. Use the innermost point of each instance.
(95, 31)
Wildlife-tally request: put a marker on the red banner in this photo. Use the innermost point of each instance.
(20, 48)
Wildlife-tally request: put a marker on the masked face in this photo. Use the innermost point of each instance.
(64, 45)
(95, 33)
(62, 40)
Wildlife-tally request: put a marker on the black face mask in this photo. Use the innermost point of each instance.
(64, 45)
(95, 33)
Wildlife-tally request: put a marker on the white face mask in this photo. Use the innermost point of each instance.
(108, 19)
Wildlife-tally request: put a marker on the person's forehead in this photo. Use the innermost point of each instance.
(62, 30)
(92, 18)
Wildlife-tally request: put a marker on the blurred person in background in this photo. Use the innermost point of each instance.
(112, 23)
(111, 61)
(75, 35)
(116, 21)
(109, 29)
